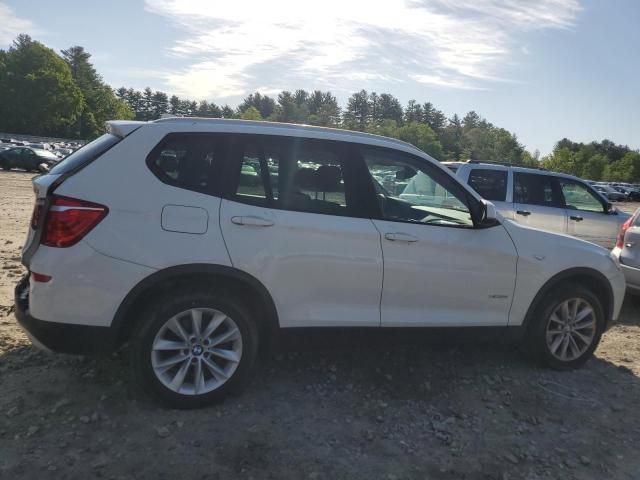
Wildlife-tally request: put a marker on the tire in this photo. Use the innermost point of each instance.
(578, 351)
(213, 386)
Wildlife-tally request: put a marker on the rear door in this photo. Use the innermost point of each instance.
(587, 216)
(538, 201)
(292, 218)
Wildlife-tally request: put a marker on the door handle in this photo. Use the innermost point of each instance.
(252, 220)
(400, 237)
(576, 218)
(629, 244)
(524, 213)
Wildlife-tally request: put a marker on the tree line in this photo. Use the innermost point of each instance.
(422, 124)
(46, 93)
(595, 161)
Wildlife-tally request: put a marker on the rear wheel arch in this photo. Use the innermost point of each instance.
(589, 278)
(259, 301)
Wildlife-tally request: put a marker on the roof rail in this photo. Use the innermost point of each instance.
(506, 164)
(282, 125)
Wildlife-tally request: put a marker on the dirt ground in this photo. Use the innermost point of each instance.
(326, 407)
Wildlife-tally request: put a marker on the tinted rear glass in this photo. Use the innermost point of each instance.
(87, 153)
(534, 189)
(186, 160)
(490, 184)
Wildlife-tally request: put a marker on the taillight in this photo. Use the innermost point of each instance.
(40, 277)
(70, 219)
(623, 229)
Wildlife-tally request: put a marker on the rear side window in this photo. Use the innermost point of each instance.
(534, 189)
(187, 160)
(86, 154)
(292, 174)
(490, 184)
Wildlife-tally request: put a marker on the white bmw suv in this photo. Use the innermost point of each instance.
(195, 241)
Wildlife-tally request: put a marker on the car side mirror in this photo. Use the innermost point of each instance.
(489, 214)
(610, 209)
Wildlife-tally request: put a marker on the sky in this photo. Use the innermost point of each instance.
(543, 69)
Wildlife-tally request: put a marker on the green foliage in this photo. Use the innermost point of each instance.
(595, 161)
(99, 101)
(265, 105)
(37, 91)
(418, 134)
(357, 115)
(251, 113)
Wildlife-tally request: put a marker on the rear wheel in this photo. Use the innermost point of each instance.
(567, 327)
(194, 348)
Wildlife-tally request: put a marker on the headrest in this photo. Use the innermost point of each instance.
(328, 178)
(304, 179)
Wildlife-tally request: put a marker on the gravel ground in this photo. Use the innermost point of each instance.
(329, 406)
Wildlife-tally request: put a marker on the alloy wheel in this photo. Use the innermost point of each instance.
(571, 329)
(196, 351)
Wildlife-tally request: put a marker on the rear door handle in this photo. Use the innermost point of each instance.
(524, 213)
(400, 237)
(576, 218)
(252, 220)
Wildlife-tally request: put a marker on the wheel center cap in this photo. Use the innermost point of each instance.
(197, 350)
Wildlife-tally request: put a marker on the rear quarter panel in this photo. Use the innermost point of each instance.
(132, 231)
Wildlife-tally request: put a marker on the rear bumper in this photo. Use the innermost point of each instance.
(60, 337)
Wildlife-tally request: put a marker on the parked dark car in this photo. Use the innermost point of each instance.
(26, 158)
(610, 193)
(632, 194)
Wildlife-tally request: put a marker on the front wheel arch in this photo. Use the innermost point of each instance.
(589, 278)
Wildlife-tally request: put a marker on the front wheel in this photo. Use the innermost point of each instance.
(567, 328)
(193, 349)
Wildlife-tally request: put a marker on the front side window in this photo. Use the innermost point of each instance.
(536, 189)
(186, 161)
(579, 197)
(490, 184)
(410, 191)
(292, 174)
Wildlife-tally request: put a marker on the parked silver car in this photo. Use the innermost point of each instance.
(545, 200)
(627, 251)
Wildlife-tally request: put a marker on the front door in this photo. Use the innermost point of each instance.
(292, 219)
(587, 214)
(537, 202)
(439, 270)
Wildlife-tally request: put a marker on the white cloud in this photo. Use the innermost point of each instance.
(11, 25)
(235, 47)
